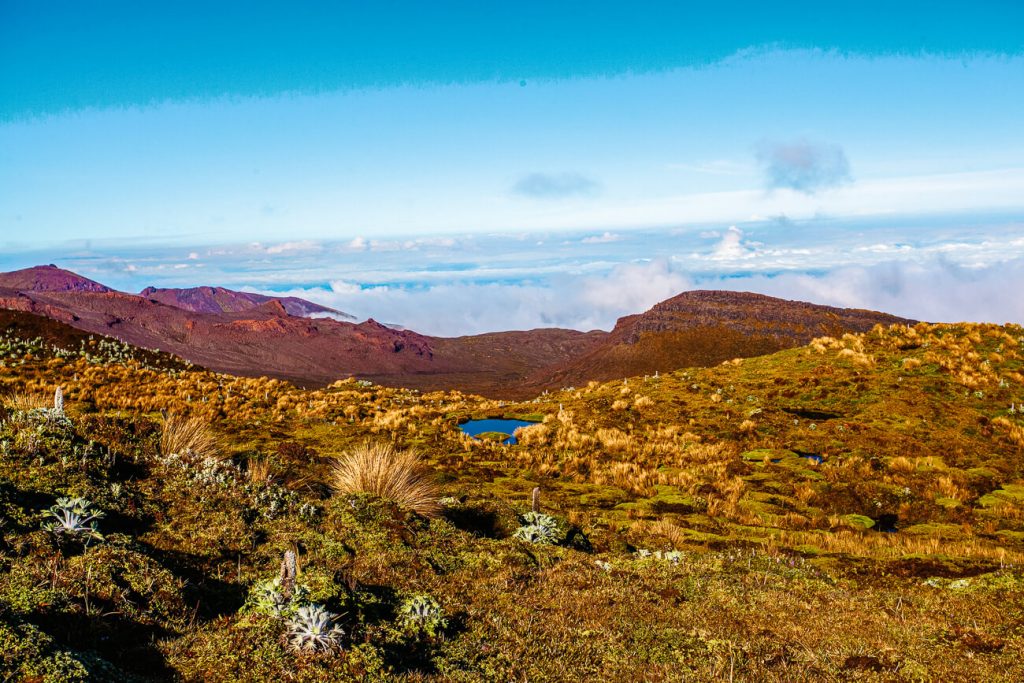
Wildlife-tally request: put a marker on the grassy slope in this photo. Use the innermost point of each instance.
(778, 578)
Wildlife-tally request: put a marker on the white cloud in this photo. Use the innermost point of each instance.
(932, 289)
(732, 247)
(950, 271)
(601, 239)
(292, 247)
(582, 302)
(343, 288)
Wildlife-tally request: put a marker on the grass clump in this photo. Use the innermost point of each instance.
(381, 470)
(188, 436)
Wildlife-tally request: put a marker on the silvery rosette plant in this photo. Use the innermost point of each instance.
(313, 629)
(74, 518)
(270, 598)
(538, 528)
(422, 614)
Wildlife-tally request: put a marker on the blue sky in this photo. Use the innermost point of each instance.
(355, 154)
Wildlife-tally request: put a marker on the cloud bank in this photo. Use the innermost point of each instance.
(466, 284)
(934, 290)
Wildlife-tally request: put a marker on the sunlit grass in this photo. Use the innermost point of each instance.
(381, 470)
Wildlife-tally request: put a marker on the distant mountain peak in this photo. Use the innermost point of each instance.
(207, 299)
(49, 278)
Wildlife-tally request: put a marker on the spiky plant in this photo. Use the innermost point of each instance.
(380, 470)
(271, 598)
(538, 528)
(188, 436)
(312, 629)
(74, 518)
(423, 614)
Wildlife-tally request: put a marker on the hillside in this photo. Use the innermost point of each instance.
(221, 300)
(704, 328)
(49, 279)
(251, 335)
(848, 509)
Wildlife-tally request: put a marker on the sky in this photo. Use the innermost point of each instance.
(467, 167)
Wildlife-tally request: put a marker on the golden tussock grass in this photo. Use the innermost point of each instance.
(674, 533)
(258, 471)
(380, 470)
(1013, 431)
(534, 435)
(894, 546)
(28, 401)
(188, 436)
(902, 464)
(643, 402)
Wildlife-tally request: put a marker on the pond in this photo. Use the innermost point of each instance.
(495, 426)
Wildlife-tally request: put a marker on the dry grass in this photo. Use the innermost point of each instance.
(902, 465)
(258, 471)
(380, 470)
(28, 401)
(188, 436)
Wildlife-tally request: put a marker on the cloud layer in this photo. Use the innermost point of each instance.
(935, 290)
(449, 285)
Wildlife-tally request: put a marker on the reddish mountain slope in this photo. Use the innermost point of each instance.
(49, 279)
(248, 336)
(702, 328)
(265, 339)
(220, 300)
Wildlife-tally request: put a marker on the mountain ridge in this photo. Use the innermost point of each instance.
(253, 335)
(207, 299)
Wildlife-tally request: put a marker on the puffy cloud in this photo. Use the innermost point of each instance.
(291, 247)
(555, 186)
(732, 246)
(583, 302)
(803, 166)
(935, 290)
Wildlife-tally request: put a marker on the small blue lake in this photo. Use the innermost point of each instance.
(476, 427)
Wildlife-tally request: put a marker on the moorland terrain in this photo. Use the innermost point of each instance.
(848, 509)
